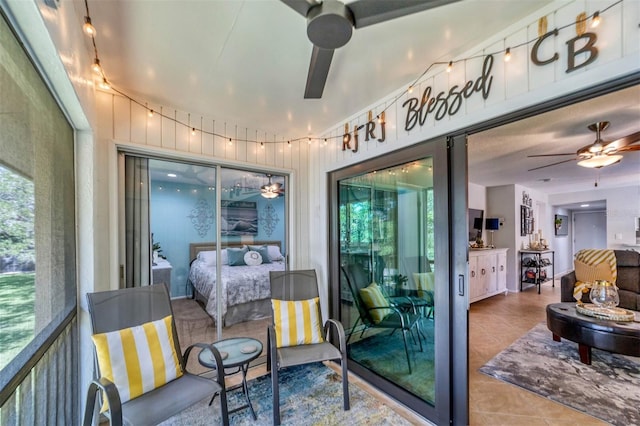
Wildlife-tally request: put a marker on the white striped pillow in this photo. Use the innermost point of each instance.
(297, 322)
(138, 359)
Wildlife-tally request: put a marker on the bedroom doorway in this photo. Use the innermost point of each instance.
(192, 225)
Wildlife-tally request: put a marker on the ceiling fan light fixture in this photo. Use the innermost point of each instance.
(270, 190)
(596, 147)
(598, 161)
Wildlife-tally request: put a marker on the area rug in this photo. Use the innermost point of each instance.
(384, 354)
(608, 389)
(309, 395)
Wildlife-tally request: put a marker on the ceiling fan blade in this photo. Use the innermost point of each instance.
(629, 148)
(318, 71)
(552, 164)
(369, 12)
(550, 155)
(618, 144)
(300, 6)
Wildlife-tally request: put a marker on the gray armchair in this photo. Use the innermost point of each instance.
(296, 286)
(130, 307)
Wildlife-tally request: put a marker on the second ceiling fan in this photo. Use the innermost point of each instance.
(600, 153)
(330, 24)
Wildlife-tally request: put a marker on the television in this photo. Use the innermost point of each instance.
(476, 219)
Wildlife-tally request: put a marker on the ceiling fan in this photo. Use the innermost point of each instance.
(600, 153)
(271, 189)
(330, 24)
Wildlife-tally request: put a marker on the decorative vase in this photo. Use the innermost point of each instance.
(604, 294)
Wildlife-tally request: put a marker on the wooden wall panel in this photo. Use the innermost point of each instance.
(168, 129)
(121, 119)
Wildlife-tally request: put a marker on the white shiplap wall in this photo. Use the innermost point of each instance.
(516, 85)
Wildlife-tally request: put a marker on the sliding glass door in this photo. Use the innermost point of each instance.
(208, 232)
(391, 272)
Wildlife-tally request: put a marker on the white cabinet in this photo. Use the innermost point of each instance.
(487, 273)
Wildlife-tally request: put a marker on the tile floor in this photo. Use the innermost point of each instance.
(494, 324)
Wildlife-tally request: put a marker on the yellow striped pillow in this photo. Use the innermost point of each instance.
(297, 322)
(373, 298)
(138, 359)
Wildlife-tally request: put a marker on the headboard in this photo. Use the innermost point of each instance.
(195, 248)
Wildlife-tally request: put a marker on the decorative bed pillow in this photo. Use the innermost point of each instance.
(138, 359)
(274, 253)
(209, 257)
(297, 322)
(264, 252)
(236, 256)
(252, 258)
(373, 298)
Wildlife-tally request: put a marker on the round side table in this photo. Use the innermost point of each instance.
(237, 353)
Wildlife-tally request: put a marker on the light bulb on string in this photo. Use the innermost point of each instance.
(507, 55)
(410, 89)
(150, 113)
(230, 141)
(262, 145)
(309, 141)
(104, 84)
(193, 131)
(96, 67)
(595, 20)
(88, 28)
(450, 66)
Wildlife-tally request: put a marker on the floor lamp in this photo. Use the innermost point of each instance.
(492, 224)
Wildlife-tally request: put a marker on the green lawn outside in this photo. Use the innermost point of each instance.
(17, 317)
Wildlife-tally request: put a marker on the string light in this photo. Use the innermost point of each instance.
(96, 67)
(88, 27)
(104, 84)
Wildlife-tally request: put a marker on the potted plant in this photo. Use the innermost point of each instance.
(156, 251)
(558, 223)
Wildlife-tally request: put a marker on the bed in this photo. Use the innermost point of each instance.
(245, 288)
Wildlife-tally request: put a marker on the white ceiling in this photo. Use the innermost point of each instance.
(499, 156)
(246, 63)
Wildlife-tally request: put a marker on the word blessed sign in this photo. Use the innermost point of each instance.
(448, 103)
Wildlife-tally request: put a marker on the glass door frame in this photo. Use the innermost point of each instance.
(124, 150)
(448, 338)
